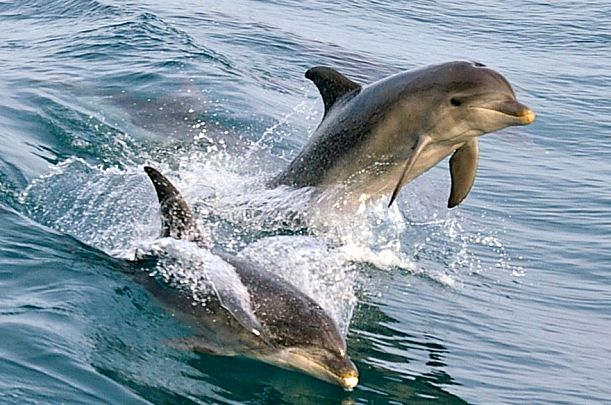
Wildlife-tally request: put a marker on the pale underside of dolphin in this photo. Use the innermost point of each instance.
(281, 325)
(373, 140)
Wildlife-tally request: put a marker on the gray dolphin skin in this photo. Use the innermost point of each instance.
(283, 326)
(375, 139)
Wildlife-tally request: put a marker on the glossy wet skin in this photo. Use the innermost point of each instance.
(303, 338)
(300, 334)
(283, 326)
(451, 103)
(366, 138)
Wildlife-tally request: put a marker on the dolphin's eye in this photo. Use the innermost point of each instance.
(455, 102)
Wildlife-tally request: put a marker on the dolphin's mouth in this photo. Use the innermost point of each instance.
(345, 375)
(527, 118)
(517, 112)
(347, 379)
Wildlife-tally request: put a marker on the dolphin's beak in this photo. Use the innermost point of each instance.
(327, 367)
(520, 114)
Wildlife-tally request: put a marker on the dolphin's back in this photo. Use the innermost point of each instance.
(291, 317)
(346, 126)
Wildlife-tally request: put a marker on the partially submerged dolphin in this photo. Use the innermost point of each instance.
(282, 326)
(375, 139)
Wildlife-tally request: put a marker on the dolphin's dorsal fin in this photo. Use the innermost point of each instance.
(331, 84)
(463, 166)
(177, 220)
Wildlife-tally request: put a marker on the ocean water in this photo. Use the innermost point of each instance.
(505, 299)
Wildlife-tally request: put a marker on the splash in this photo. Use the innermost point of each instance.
(105, 208)
(320, 271)
(220, 175)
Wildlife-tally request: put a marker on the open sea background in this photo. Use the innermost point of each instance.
(506, 299)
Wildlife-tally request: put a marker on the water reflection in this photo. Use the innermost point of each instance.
(388, 358)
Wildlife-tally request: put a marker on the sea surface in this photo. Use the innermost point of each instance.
(505, 299)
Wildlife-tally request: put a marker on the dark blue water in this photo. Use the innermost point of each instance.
(506, 299)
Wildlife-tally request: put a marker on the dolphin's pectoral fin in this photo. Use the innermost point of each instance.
(177, 220)
(243, 315)
(239, 309)
(463, 166)
(200, 345)
(331, 84)
(423, 141)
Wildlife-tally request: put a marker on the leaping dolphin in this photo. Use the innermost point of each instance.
(375, 139)
(282, 326)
